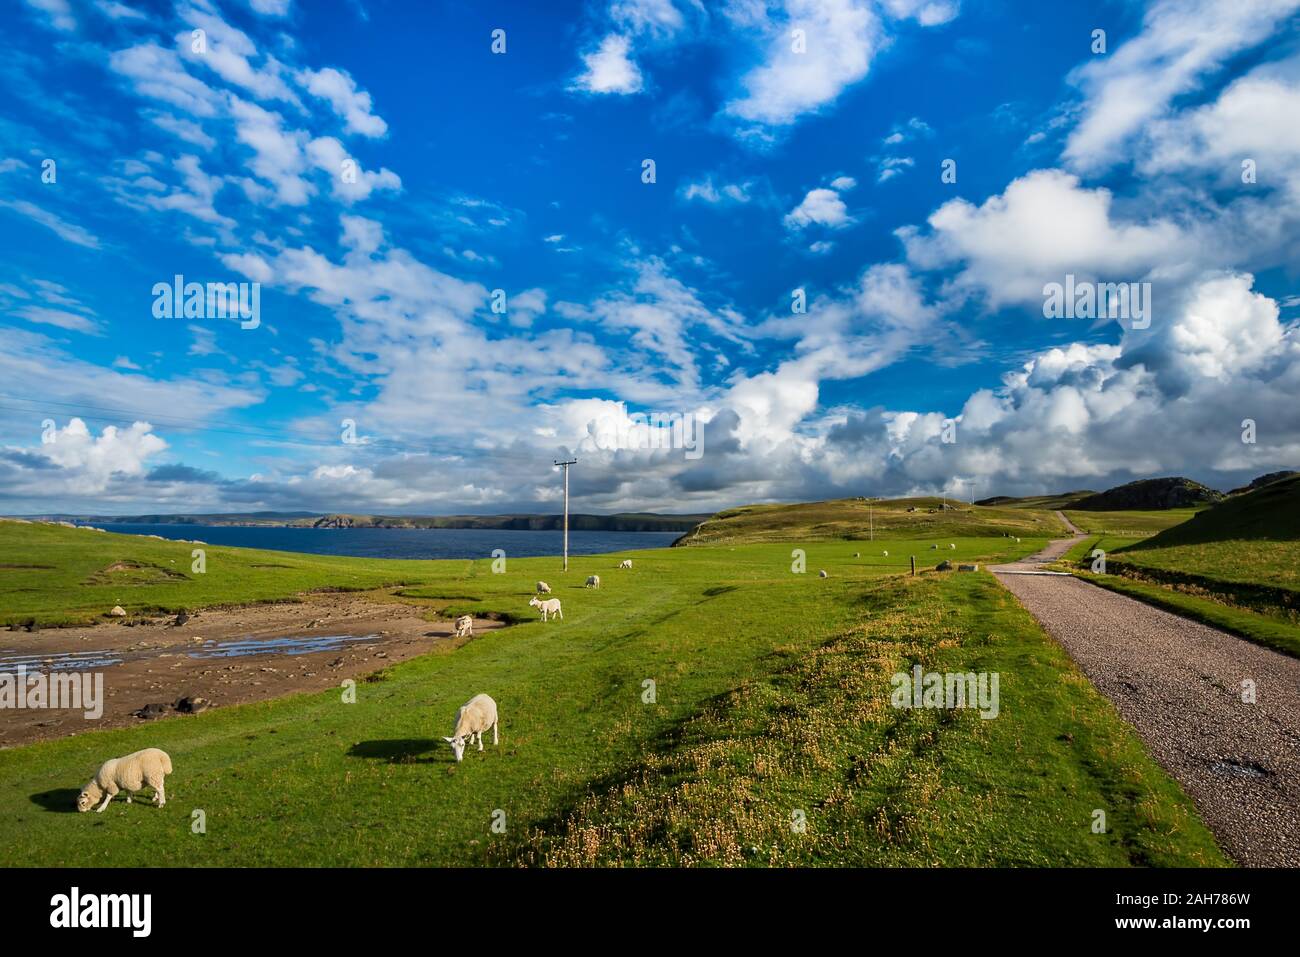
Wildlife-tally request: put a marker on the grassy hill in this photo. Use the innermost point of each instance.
(1049, 502)
(852, 519)
(772, 695)
(1157, 493)
(1269, 512)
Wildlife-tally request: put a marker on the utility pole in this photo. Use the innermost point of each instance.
(565, 467)
(872, 514)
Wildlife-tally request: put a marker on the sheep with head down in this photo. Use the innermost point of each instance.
(474, 717)
(133, 772)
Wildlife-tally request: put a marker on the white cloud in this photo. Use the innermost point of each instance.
(354, 106)
(891, 166)
(328, 154)
(279, 158)
(271, 8)
(158, 73)
(1041, 227)
(842, 38)
(182, 129)
(656, 17)
(821, 206)
(1240, 124)
(62, 318)
(1181, 43)
(706, 191)
(928, 13)
(118, 11)
(609, 69)
(51, 221)
(58, 13)
(227, 53)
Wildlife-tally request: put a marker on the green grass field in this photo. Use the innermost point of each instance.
(771, 696)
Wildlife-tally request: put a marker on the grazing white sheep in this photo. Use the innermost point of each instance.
(593, 581)
(933, 547)
(543, 588)
(464, 626)
(951, 545)
(857, 554)
(886, 553)
(474, 717)
(549, 607)
(133, 772)
(822, 574)
(625, 563)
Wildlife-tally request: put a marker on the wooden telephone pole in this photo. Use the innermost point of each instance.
(565, 467)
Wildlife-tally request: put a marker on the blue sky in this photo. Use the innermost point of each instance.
(797, 145)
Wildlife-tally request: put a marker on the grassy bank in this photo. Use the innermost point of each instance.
(1251, 595)
(747, 659)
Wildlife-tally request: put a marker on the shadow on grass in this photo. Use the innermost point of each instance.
(60, 800)
(400, 751)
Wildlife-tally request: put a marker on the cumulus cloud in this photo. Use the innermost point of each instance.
(1043, 226)
(610, 69)
(820, 206)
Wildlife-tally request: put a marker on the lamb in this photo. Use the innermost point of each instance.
(593, 581)
(474, 717)
(133, 772)
(549, 607)
(465, 626)
(543, 588)
(625, 563)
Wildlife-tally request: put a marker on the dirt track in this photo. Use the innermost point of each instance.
(1180, 684)
(217, 655)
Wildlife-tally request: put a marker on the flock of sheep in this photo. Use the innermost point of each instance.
(149, 768)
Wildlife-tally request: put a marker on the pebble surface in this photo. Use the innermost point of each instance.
(1181, 684)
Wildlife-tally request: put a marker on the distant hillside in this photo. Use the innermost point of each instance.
(1150, 494)
(854, 518)
(1264, 480)
(1270, 512)
(621, 522)
(1050, 502)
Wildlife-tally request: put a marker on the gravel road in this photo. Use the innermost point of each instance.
(1180, 684)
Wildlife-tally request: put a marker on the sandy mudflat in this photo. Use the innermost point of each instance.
(158, 662)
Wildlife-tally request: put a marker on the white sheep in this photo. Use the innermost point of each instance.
(625, 563)
(593, 581)
(549, 607)
(543, 588)
(133, 772)
(464, 626)
(474, 717)
(822, 574)
(951, 545)
(886, 553)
